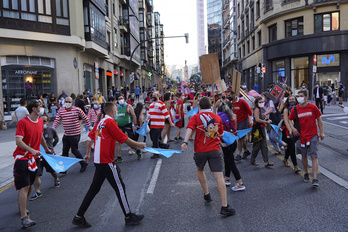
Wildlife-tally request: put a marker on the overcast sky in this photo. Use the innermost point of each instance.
(178, 17)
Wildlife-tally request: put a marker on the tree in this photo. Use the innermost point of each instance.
(195, 78)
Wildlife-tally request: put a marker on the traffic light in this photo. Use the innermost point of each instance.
(263, 68)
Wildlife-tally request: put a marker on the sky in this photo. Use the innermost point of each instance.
(178, 17)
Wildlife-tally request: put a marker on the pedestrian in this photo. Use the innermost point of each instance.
(290, 151)
(104, 135)
(318, 95)
(28, 139)
(138, 111)
(340, 93)
(98, 96)
(243, 112)
(63, 95)
(52, 139)
(69, 116)
(166, 131)
(80, 103)
(230, 125)
(309, 119)
(326, 92)
(125, 120)
(93, 113)
(52, 105)
(22, 111)
(157, 115)
(179, 114)
(209, 130)
(259, 134)
(137, 93)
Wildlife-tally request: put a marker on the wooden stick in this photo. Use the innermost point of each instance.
(246, 95)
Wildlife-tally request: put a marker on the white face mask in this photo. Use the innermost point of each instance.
(285, 98)
(301, 100)
(68, 105)
(303, 87)
(182, 98)
(121, 102)
(41, 112)
(261, 104)
(45, 126)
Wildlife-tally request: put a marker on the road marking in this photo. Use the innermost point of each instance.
(343, 122)
(154, 178)
(6, 187)
(333, 124)
(337, 118)
(330, 115)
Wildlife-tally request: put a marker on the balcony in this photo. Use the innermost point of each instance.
(225, 62)
(227, 40)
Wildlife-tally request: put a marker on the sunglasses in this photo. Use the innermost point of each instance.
(68, 102)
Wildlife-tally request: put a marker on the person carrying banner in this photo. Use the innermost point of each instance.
(28, 139)
(52, 139)
(209, 130)
(105, 134)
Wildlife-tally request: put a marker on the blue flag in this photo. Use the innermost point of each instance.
(242, 133)
(276, 128)
(193, 111)
(165, 152)
(142, 130)
(229, 138)
(58, 163)
(176, 120)
(86, 127)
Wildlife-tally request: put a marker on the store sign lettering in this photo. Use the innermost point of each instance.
(25, 72)
(325, 60)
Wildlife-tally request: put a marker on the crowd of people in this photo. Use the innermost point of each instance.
(290, 122)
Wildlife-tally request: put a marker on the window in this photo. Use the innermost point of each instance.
(238, 10)
(268, 5)
(326, 22)
(258, 9)
(238, 31)
(299, 72)
(248, 47)
(253, 43)
(294, 27)
(272, 33)
(115, 38)
(243, 50)
(259, 38)
(62, 12)
(278, 71)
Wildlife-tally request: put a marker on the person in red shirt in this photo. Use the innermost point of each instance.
(28, 139)
(179, 114)
(209, 130)
(308, 143)
(105, 134)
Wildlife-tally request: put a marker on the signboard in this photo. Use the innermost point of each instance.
(210, 69)
(221, 86)
(115, 72)
(236, 79)
(275, 93)
(131, 78)
(314, 68)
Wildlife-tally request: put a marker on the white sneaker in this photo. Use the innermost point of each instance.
(238, 187)
(131, 152)
(227, 183)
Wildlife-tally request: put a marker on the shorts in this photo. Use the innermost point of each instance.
(22, 176)
(340, 94)
(325, 98)
(214, 158)
(42, 163)
(137, 96)
(181, 123)
(311, 150)
(128, 129)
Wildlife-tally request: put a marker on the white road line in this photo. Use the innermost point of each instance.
(154, 178)
(338, 180)
(338, 118)
(333, 124)
(343, 122)
(330, 115)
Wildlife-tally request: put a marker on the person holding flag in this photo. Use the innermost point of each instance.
(105, 134)
(28, 139)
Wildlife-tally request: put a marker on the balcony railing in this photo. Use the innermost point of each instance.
(227, 39)
(228, 59)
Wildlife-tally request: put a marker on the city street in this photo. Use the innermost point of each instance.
(168, 193)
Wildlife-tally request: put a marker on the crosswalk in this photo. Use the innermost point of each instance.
(340, 120)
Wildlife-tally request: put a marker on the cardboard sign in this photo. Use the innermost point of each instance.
(160, 85)
(221, 86)
(210, 69)
(276, 92)
(236, 79)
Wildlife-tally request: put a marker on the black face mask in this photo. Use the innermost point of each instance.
(154, 98)
(292, 103)
(230, 98)
(224, 97)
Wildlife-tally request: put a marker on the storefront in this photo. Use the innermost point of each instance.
(329, 69)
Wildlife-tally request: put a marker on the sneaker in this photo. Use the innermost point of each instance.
(238, 187)
(238, 158)
(207, 198)
(81, 222)
(131, 152)
(27, 222)
(181, 138)
(134, 219)
(176, 140)
(35, 196)
(119, 160)
(155, 156)
(246, 154)
(83, 166)
(139, 154)
(227, 211)
(227, 182)
(306, 177)
(57, 184)
(315, 183)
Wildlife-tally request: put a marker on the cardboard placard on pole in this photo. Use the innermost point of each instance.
(276, 92)
(210, 69)
(221, 86)
(236, 79)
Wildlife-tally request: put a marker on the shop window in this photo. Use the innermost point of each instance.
(278, 71)
(326, 22)
(299, 72)
(294, 27)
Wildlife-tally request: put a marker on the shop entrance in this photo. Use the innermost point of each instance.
(332, 77)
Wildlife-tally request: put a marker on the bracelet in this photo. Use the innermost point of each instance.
(185, 143)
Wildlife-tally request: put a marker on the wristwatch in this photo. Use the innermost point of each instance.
(185, 143)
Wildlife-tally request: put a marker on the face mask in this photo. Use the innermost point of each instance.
(98, 92)
(45, 126)
(95, 106)
(41, 112)
(244, 86)
(121, 102)
(317, 86)
(285, 98)
(199, 98)
(292, 103)
(68, 105)
(224, 97)
(261, 105)
(303, 87)
(154, 98)
(301, 100)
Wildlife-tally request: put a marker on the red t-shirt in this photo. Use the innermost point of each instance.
(206, 140)
(105, 135)
(31, 132)
(179, 104)
(242, 110)
(307, 116)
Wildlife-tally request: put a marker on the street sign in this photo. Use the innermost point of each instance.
(131, 79)
(314, 68)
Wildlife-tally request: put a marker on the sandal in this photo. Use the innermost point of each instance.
(269, 164)
(297, 170)
(285, 162)
(254, 163)
(192, 139)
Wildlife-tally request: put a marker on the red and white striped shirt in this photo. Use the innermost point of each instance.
(93, 115)
(105, 135)
(158, 113)
(70, 120)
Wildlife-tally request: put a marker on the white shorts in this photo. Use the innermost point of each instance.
(325, 98)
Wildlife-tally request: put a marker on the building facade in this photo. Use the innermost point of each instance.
(297, 41)
(201, 43)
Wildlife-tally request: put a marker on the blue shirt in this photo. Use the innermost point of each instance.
(137, 91)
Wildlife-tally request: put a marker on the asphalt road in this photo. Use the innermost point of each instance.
(275, 199)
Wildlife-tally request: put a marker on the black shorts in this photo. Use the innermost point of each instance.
(214, 158)
(42, 163)
(22, 176)
(340, 94)
(128, 129)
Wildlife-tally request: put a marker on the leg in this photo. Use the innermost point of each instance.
(315, 167)
(154, 138)
(264, 150)
(273, 139)
(227, 159)
(305, 163)
(74, 141)
(22, 200)
(232, 164)
(255, 151)
(66, 146)
(37, 184)
(203, 180)
(240, 146)
(165, 132)
(219, 177)
(118, 149)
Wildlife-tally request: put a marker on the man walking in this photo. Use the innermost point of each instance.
(308, 143)
(209, 128)
(69, 115)
(340, 93)
(28, 139)
(318, 95)
(105, 134)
